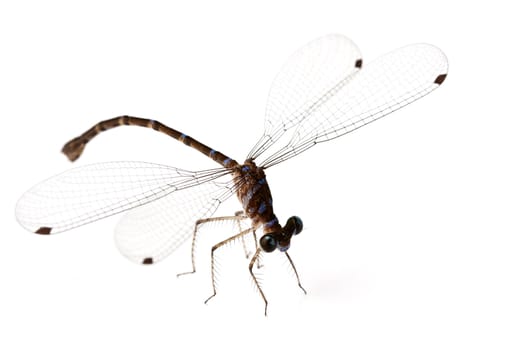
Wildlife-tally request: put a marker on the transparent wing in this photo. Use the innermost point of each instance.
(151, 232)
(381, 87)
(303, 82)
(89, 193)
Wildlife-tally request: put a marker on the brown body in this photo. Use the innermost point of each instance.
(254, 194)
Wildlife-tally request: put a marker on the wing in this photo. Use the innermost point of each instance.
(303, 82)
(151, 232)
(385, 85)
(86, 194)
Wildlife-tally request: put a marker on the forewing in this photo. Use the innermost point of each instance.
(89, 193)
(151, 232)
(303, 82)
(379, 88)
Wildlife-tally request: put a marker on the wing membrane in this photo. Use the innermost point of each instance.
(153, 231)
(303, 82)
(381, 87)
(86, 194)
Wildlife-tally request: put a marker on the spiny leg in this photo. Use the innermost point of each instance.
(259, 265)
(247, 254)
(213, 249)
(241, 214)
(237, 217)
(250, 267)
(295, 271)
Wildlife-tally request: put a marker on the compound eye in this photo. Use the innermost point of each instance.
(268, 243)
(294, 225)
(298, 224)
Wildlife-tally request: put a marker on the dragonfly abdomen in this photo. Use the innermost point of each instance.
(74, 148)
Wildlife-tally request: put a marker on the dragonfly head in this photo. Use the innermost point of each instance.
(281, 239)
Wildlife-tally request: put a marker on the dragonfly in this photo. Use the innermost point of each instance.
(322, 92)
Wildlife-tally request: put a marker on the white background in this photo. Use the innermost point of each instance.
(414, 225)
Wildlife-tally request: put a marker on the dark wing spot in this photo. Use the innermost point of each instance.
(359, 63)
(44, 230)
(147, 261)
(440, 78)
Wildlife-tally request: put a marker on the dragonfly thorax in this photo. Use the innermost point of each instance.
(256, 199)
(254, 194)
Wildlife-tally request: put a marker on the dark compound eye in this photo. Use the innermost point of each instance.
(268, 243)
(293, 226)
(298, 224)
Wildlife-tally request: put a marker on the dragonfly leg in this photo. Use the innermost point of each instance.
(213, 249)
(237, 217)
(257, 284)
(240, 214)
(247, 253)
(259, 264)
(295, 271)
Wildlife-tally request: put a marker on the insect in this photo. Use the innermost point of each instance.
(322, 92)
